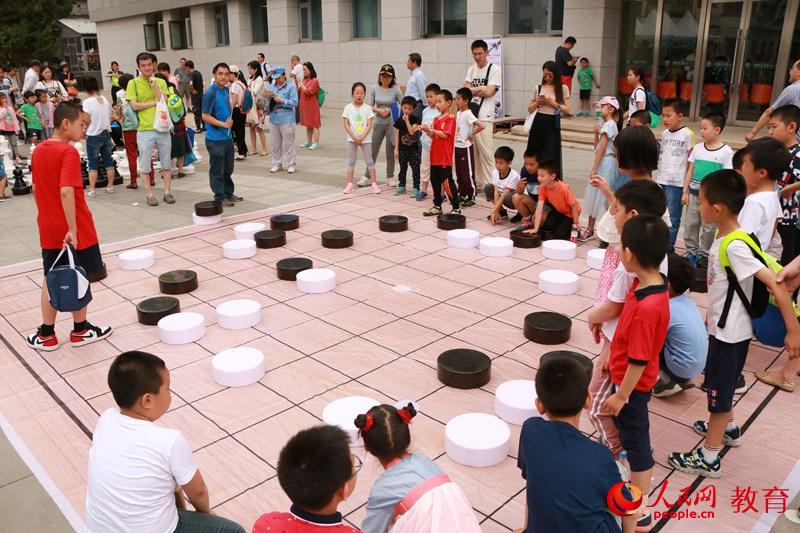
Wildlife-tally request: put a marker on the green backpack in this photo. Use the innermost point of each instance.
(321, 96)
(175, 107)
(768, 324)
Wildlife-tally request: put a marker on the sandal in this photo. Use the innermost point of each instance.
(775, 380)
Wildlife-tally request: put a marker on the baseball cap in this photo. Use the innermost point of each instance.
(610, 100)
(388, 70)
(277, 72)
(233, 69)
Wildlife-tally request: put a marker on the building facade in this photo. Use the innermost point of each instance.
(727, 54)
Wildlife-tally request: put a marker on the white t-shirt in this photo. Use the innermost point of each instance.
(477, 77)
(707, 161)
(621, 286)
(236, 91)
(509, 182)
(739, 326)
(464, 122)
(358, 117)
(637, 96)
(297, 70)
(428, 114)
(759, 215)
(134, 468)
(99, 109)
(674, 157)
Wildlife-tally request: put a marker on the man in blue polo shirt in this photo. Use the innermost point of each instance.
(219, 143)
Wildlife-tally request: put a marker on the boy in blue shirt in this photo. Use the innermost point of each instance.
(568, 474)
(684, 353)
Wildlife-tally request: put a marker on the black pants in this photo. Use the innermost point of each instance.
(409, 158)
(788, 234)
(465, 172)
(197, 110)
(443, 176)
(557, 223)
(238, 131)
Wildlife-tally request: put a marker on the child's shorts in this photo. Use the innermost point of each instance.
(724, 364)
(88, 258)
(30, 132)
(99, 148)
(586, 94)
(633, 423)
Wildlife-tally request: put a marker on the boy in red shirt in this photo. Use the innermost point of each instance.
(443, 133)
(638, 340)
(64, 219)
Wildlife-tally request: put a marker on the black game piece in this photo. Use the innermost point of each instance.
(393, 223)
(19, 188)
(177, 282)
(546, 327)
(102, 178)
(270, 238)
(289, 268)
(151, 310)
(207, 209)
(464, 369)
(337, 238)
(450, 221)
(525, 240)
(98, 276)
(284, 222)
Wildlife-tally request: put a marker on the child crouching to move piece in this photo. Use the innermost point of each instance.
(722, 195)
(558, 211)
(526, 195)
(318, 472)
(568, 475)
(412, 494)
(504, 184)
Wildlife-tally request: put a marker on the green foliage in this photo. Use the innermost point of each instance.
(29, 29)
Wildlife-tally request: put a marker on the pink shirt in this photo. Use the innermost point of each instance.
(8, 119)
(46, 113)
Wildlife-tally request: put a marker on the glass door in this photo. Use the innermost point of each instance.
(718, 90)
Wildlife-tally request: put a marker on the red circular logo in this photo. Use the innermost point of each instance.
(619, 503)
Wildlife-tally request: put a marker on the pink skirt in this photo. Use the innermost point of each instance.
(443, 509)
(610, 264)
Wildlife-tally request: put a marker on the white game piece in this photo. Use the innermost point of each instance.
(181, 328)
(206, 221)
(402, 288)
(138, 259)
(463, 238)
(595, 257)
(239, 314)
(497, 247)
(239, 249)
(403, 403)
(477, 439)
(248, 229)
(343, 412)
(558, 282)
(238, 367)
(559, 250)
(515, 401)
(316, 280)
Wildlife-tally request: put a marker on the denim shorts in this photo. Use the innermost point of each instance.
(146, 140)
(99, 148)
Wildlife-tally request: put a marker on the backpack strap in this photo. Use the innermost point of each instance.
(733, 282)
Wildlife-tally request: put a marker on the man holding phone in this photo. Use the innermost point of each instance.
(566, 62)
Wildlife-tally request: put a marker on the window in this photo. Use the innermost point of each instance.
(310, 20)
(366, 19)
(180, 30)
(221, 25)
(154, 32)
(535, 16)
(444, 17)
(258, 18)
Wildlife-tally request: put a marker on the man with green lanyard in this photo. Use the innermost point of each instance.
(143, 92)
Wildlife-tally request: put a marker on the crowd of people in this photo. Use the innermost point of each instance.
(740, 219)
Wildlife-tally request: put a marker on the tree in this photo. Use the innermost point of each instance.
(29, 29)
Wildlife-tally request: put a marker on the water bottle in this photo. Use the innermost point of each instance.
(598, 115)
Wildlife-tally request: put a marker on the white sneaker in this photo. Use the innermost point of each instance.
(90, 194)
(239, 157)
(393, 182)
(363, 181)
(291, 170)
(275, 169)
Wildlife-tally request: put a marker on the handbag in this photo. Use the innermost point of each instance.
(67, 285)
(532, 115)
(474, 106)
(161, 121)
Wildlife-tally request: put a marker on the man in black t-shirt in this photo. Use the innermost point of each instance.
(196, 92)
(566, 62)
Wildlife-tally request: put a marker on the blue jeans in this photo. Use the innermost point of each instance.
(193, 522)
(220, 154)
(99, 149)
(674, 207)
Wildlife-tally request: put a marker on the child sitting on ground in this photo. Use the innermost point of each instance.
(318, 472)
(140, 471)
(567, 474)
(634, 353)
(604, 163)
(783, 124)
(412, 494)
(526, 195)
(722, 195)
(504, 184)
(560, 221)
(684, 353)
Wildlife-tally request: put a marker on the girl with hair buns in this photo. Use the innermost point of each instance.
(412, 494)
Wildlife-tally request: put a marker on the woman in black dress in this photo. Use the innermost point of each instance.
(550, 100)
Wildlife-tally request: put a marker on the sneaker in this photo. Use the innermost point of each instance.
(603, 245)
(455, 211)
(393, 182)
(274, 169)
(41, 343)
(240, 157)
(110, 190)
(375, 188)
(584, 235)
(307, 145)
(414, 192)
(313, 146)
(664, 389)
(469, 202)
(433, 212)
(348, 189)
(741, 386)
(291, 170)
(516, 218)
(90, 194)
(5, 198)
(363, 181)
(132, 186)
(227, 202)
(151, 201)
(89, 335)
(234, 198)
(421, 196)
(503, 213)
(694, 463)
(732, 437)
(400, 191)
(168, 198)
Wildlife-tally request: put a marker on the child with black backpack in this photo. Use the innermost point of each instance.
(737, 281)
